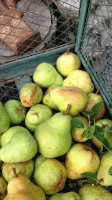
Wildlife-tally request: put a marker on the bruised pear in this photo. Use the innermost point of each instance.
(62, 96)
(80, 159)
(20, 167)
(30, 94)
(16, 111)
(50, 175)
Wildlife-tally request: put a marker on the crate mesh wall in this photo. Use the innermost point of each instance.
(55, 20)
(96, 43)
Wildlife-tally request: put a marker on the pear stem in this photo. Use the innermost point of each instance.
(67, 51)
(67, 110)
(98, 90)
(14, 172)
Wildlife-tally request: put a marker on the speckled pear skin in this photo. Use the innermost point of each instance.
(50, 175)
(20, 188)
(22, 147)
(103, 176)
(4, 119)
(6, 136)
(25, 168)
(76, 97)
(47, 98)
(65, 196)
(53, 136)
(46, 75)
(81, 79)
(36, 115)
(94, 192)
(79, 159)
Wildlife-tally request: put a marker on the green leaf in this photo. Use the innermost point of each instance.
(110, 131)
(89, 132)
(106, 144)
(77, 123)
(92, 177)
(80, 183)
(99, 133)
(89, 175)
(93, 113)
(110, 171)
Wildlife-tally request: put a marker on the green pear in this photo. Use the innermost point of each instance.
(47, 98)
(77, 133)
(3, 188)
(94, 98)
(36, 115)
(4, 119)
(16, 111)
(62, 96)
(106, 124)
(80, 159)
(39, 160)
(7, 135)
(30, 94)
(46, 75)
(81, 79)
(21, 147)
(103, 175)
(65, 196)
(50, 175)
(94, 192)
(20, 188)
(53, 136)
(25, 168)
(67, 62)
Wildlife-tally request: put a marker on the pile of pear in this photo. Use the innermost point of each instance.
(36, 130)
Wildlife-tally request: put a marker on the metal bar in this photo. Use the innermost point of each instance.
(28, 65)
(82, 18)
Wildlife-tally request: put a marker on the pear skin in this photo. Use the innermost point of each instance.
(47, 98)
(77, 133)
(3, 187)
(21, 147)
(16, 111)
(65, 196)
(20, 188)
(46, 75)
(6, 136)
(36, 115)
(62, 96)
(53, 136)
(67, 62)
(25, 168)
(30, 94)
(79, 159)
(50, 175)
(81, 79)
(4, 119)
(94, 192)
(103, 175)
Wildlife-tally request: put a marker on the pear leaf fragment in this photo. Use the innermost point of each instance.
(110, 171)
(110, 131)
(77, 123)
(91, 177)
(89, 132)
(93, 113)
